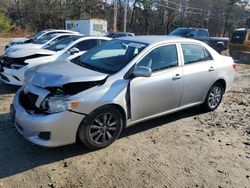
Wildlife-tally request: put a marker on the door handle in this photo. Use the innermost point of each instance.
(177, 76)
(211, 69)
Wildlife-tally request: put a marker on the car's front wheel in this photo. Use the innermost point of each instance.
(214, 97)
(101, 128)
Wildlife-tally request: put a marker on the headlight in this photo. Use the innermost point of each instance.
(58, 104)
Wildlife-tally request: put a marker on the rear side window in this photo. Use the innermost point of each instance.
(207, 55)
(161, 58)
(194, 53)
(201, 33)
(87, 44)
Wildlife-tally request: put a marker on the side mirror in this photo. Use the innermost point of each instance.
(52, 42)
(142, 71)
(74, 50)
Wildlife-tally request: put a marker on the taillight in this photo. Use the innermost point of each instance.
(234, 66)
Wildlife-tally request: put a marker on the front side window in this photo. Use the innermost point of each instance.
(194, 53)
(161, 58)
(61, 44)
(112, 56)
(45, 39)
(201, 33)
(87, 44)
(36, 35)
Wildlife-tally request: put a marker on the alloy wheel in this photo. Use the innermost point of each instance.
(103, 128)
(215, 97)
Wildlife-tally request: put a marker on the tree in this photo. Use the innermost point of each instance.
(5, 24)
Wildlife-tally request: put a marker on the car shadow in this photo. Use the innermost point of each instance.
(7, 89)
(18, 155)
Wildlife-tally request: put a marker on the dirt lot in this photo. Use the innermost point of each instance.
(186, 149)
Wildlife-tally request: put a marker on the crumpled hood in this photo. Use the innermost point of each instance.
(30, 52)
(59, 73)
(29, 45)
(19, 40)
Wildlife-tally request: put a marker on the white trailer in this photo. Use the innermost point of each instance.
(97, 27)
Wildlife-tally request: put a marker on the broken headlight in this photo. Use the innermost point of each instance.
(57, 104)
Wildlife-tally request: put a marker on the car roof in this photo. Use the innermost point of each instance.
(154, 39)
(91, 37)
(242, 29)
(65, 34)
(192, 28)
(59, 30)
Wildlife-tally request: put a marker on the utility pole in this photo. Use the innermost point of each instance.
(115, 15)
(125, 15)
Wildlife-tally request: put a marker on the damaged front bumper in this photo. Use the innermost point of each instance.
(49, 130)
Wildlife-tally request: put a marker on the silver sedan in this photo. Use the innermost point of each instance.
(124, 81)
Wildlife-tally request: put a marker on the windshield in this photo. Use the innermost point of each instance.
(45, 39)
(181, 32)
(36, 35)
(61, 44)
(112, 56)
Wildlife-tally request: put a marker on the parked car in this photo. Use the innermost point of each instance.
(42, 42)
(240, 43)
(119, 34)
(15, 64)
(116, 85)
(218, 43)
(36, 36)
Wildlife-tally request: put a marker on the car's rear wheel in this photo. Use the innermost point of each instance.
(101, 128)
(214, 97)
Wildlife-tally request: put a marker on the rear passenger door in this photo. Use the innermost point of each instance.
(199, 73)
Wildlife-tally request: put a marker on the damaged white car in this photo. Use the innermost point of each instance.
(36, 36)
(14, 65)
(122, 82)
(43, 42)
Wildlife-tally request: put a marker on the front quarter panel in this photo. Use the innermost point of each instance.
(111, 92)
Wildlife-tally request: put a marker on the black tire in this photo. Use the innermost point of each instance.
(207, 105)
(219, 48)
(93, 124)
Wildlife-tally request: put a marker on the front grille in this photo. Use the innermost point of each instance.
(28, 101)
(8, 61)
(44, 135)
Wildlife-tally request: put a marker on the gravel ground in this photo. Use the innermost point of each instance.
(185, 149)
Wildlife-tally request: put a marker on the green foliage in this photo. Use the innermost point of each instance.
(5, 24)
